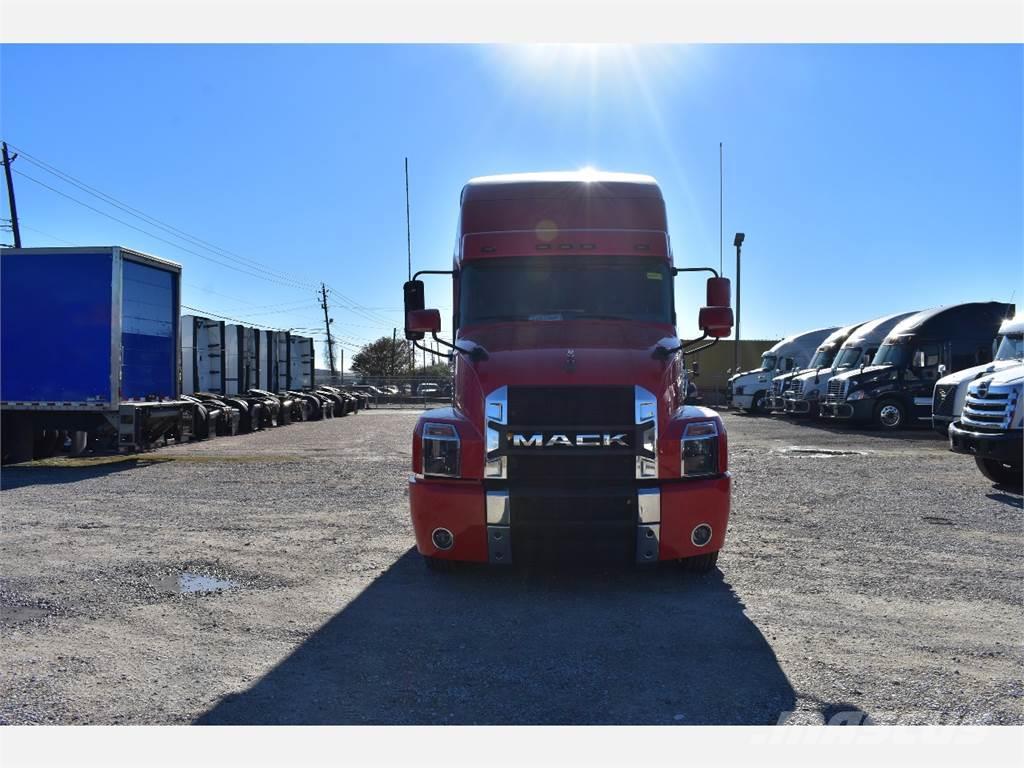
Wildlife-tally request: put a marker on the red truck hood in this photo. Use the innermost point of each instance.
(564, 353)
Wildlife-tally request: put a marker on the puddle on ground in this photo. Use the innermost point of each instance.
(820, 453)
(16, 614)
(191, 584)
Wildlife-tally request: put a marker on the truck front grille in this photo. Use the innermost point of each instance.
(943, 399)
(797, 389)
(574, 524)
(835, 391)
(571, 411)
(988, 408)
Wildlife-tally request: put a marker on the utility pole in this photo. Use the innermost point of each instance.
(738, 242)
(327, 324)
(394, 340)
(10, 196)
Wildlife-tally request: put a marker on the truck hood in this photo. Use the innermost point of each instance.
(751, 372)
(867, 372)
(564, 354)
(969, 374)
(1007, 376)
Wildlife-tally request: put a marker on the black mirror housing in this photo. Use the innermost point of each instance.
(414, 302)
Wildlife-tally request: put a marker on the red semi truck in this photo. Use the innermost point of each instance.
(568, 433)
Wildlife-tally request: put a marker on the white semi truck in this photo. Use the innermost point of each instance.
(991, 426)
(951, 390)
(803, 395)
(749, 390)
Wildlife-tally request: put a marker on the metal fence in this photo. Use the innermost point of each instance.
(396, 391)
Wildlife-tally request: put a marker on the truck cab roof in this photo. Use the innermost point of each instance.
(560, 184)
(953, 321)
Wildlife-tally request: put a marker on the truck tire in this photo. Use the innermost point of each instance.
(700, 563)
(1000, 473)
(757, 404)
(439, 565)
(890, 415)
(48, 444)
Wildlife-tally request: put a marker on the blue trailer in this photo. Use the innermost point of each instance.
(90, 344)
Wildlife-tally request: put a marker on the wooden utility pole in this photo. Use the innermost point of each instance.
(327, 324)
(10, 196)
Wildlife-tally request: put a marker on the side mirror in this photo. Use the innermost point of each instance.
(942, 369)
(918, 361)
(716, 318)
(716, 322)
(422, 322)
(413, 303)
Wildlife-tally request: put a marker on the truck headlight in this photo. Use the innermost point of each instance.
(440, 450)
(860, 394)
(699, 449)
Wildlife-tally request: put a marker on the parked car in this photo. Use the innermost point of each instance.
(428, 388)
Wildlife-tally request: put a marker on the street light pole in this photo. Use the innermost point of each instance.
(738, 242)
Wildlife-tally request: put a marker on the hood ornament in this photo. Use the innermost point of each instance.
(570, 360)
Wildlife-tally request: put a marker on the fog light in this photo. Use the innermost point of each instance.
(701, 535)
(443, 538)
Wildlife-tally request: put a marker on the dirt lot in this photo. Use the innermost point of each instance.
(885, 583)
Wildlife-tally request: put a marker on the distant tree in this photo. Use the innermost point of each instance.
(383, 357)
(439, 371)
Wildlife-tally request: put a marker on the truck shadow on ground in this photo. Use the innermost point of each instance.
(15, 476)
(920, 433)
(497, 646)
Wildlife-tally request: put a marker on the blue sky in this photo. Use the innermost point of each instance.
(868, 179)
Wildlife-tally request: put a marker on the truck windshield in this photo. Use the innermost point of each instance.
(847, 357)
(551, 288)
(892, 354)
(822, 358)
(768, 362)
(1011, 347)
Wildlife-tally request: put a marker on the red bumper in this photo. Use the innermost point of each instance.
(459, 506)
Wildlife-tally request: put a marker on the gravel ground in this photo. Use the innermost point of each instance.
(881, 585)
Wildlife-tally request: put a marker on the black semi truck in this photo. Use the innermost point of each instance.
(895, 391)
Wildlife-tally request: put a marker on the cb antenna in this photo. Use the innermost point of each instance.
(408, 230)
(721, 205)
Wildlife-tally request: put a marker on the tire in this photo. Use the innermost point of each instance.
(439, 565)
(757, 404)
(891, 415)
(700, 563)
(1000, 473)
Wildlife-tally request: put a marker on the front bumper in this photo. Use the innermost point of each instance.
(742, 401)
(858, 410)
(800, 407)
(1004, 447)
(484, 524)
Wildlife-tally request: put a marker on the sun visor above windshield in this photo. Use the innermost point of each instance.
(554, 242)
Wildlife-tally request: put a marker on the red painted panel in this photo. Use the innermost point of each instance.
(685, 505)
(457, 506)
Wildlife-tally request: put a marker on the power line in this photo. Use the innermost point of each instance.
(152, 220)
(154, 236)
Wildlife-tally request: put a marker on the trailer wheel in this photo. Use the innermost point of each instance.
(439, 565)
(47, 444)
(1000, 473)
(890, 415)
(700, 563)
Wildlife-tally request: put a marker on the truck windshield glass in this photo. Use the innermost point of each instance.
(847, 357)
(768, 362)
(822, 358)
(1011, 347)
(892, 354)
(552, 288)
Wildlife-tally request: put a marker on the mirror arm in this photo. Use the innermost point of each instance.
(476, 353)
(677, 270)
(701, 347)
(665, 352)
(433, 272)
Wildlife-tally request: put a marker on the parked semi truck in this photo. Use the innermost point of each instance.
(782, 385)
(895, 391)
(951, 390)
(567, 433)
(89, 348)
(751, 390)
(991, 427)
(806, 391)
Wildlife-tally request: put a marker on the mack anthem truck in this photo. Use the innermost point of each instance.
(567, 436)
